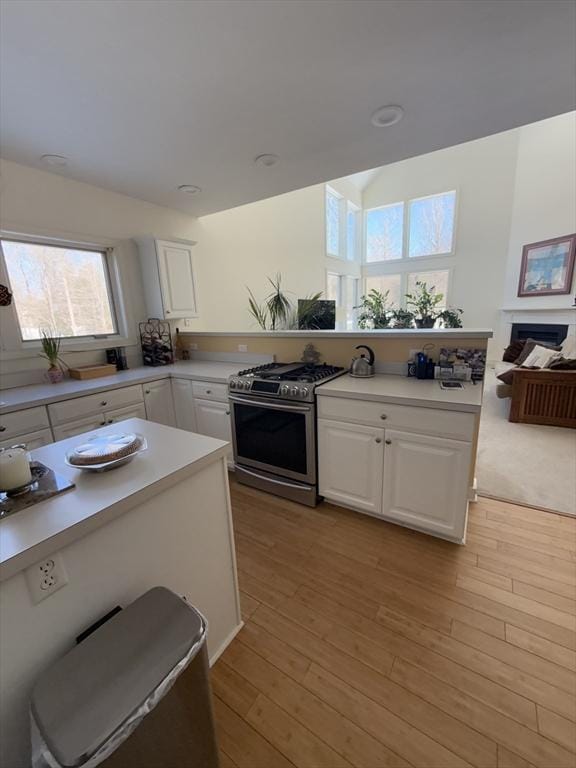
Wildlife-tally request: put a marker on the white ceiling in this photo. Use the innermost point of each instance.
(145, 95)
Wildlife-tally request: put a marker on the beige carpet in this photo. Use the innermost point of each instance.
(525, 463)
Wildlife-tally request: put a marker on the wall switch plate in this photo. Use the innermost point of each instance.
(46, 577)
(188, 322)
(242, 347)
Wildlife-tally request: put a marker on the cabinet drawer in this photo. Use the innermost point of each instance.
(79, 407)
(207, 391)
(31, 440)
(23, 422)
(455, 424)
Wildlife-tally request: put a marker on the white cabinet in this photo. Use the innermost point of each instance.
(213, 419)
(73, 428)
(408, 464)
(23, 423)
(31, 440)
(169, 278)
(350, 464)
(137, 411)
(79, 408)
(426, 482)
(184, 404)
(159, 403)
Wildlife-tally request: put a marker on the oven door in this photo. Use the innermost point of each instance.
(275, 436)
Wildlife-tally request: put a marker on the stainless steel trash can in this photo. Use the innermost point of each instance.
(134, 694)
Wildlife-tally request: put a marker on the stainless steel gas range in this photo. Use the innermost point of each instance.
(274, 427)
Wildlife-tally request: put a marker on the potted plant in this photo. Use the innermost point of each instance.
(277, 312)
(402, 318)
(51, 352)
(375, 310)
(451, 318)
(425, 302)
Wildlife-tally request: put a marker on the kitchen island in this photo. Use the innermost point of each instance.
(162, 519)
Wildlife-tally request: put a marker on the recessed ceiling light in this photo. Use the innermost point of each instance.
(59, 160)
(189, 189)
(266, 160)
(386, 116)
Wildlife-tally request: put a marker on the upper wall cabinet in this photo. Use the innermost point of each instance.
(169, 276)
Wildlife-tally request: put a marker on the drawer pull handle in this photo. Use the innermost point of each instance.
(2, 429)
(388, 442)
(208, 391)
(110, 421)
(146, 391)
(378, 440)
(227, 413)
(383, 417)
(104, 402)
(102, 423)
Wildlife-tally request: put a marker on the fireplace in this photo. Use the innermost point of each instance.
(545, 332)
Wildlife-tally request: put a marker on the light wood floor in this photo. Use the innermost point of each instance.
(370, 645)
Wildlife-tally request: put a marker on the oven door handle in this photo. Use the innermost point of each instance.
(266, 404)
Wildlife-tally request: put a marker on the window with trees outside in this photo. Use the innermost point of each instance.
(59, 289)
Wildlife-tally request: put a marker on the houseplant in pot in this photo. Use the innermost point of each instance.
(375, 312)
(402, 318)
(424, 303)
(51, 352)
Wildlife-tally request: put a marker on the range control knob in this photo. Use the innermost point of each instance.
(304, 392)
(284, 389)
(233, 383)
(294, 391)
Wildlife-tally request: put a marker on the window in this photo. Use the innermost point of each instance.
(351, 301)
(352, 232)
(334, 288)
(385, 233)
(391, 283)
(333, 224)
(434, 279)
(63, 290)
(432, 225)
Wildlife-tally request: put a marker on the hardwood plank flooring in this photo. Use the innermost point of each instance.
(366, 644)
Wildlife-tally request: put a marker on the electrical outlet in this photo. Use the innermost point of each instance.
(193, 347)
(242, 347)
(188, 322)
(46, 577)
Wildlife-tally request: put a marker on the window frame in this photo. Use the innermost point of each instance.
(342, 234)
(365, 261)
(404, 274)
(12, 345)
(406, 243)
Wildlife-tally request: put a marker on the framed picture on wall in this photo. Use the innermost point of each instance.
(547, 267)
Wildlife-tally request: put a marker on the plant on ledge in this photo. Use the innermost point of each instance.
(402, 318)
(375, 310)
(51, 352)
(277, 312)
(451, 318)
(425, 304)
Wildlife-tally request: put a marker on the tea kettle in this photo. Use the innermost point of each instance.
(360, 366)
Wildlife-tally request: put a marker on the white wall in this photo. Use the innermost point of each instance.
(544, 202)
(242, 246)
(37, 202)
(482, 173)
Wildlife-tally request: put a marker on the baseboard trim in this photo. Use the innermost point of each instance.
(516, 503)
(216, 655)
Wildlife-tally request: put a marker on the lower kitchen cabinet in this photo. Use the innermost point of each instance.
(350, 464)
(213, 419)
(137, 411)
(426, 482)
(184, 404)
(63, 431)
(31, 440)
(159, 403)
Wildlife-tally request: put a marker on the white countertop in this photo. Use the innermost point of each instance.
(42, 394)
(405, 391)
(34, 533)
(453, 334)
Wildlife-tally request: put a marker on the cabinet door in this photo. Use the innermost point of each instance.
(426, 482)
(177, 279)
(213, 419)
(350, 460)
(31, 440)
(121, 414)
(159, 403)
(79, 427)
(184, 404)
